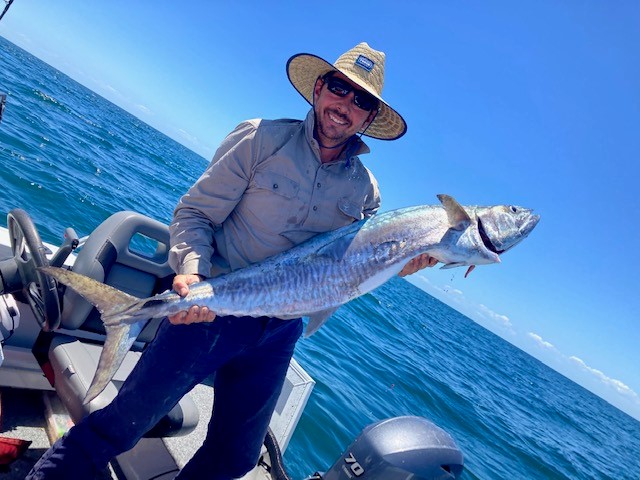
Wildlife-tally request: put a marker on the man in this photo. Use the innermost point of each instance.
(272, 184)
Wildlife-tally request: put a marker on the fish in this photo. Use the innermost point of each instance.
(314, 278)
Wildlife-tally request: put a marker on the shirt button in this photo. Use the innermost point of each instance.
(318, 184)
(275, 185)
(315, 207)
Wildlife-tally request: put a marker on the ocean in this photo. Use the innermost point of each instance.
(70, 159)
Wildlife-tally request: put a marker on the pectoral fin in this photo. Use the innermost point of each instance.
(458, 264)
(316, 320)
(447, 266)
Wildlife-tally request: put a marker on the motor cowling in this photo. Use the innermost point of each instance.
(400, 448)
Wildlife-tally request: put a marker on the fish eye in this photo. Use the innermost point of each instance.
(514, 209)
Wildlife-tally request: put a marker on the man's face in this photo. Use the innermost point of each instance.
(338, 118)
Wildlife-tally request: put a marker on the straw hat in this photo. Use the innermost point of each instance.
(364, 66)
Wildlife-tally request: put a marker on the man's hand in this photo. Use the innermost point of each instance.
(418, 263)
(195, 314)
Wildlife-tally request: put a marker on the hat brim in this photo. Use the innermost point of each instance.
(304, 69)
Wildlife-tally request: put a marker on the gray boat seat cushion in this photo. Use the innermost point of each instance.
(74, 363)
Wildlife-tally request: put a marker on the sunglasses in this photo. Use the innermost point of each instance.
(362, 99)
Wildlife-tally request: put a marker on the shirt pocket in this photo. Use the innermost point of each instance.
(349, 211)
(272, 202)
(276, 183)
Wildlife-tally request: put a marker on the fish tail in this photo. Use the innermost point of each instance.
(108, 300)
(116, 346)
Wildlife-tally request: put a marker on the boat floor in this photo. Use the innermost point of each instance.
(23, 418)
(23, 415)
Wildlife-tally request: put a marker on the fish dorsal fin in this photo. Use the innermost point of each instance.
(316, 320)
(458, 217)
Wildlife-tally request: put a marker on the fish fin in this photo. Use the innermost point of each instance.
(116, 346)
(120, 336)
(316, 320)
(447, 266)
(469, 270)
(338, 247)
(104, 297)
(458, 217)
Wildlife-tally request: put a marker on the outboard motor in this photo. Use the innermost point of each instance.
(401, 448)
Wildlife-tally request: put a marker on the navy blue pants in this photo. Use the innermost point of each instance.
(249, 357)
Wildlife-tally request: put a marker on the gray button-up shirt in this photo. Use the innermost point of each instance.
(265, 191)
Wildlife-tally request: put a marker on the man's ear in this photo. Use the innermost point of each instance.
(316, 89)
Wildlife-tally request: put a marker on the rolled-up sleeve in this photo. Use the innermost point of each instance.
(210, 200)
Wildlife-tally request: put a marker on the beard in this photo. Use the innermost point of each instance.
(328, 132)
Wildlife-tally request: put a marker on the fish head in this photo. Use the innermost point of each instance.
(502, 227)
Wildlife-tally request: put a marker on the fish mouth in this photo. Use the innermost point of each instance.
(530, 224)
(486, 240)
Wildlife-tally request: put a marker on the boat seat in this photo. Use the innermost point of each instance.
(128, 251)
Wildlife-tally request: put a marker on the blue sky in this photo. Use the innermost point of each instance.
(528, 103)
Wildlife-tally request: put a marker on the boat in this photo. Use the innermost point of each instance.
(52, 339)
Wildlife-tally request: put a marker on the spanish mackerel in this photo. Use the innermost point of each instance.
(316, 277)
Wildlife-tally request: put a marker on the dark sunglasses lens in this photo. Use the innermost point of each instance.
(365, 101)
(362, 99)
(337, 87)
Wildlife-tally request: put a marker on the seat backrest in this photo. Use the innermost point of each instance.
(128, 251)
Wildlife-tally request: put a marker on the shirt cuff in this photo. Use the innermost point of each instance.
(195, 267)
